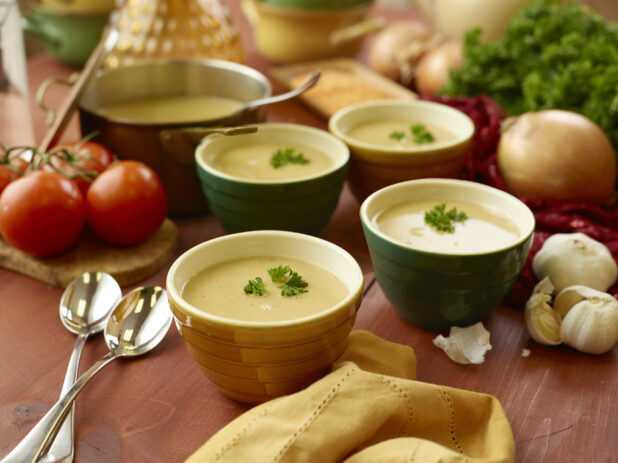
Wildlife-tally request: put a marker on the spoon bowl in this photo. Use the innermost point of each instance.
(138, 324)
(88, 301)
(134, 329)
(85, 306)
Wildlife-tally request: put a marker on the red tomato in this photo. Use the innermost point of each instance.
(126, 204)
(81, 157)
(42, 213)
(11, 170)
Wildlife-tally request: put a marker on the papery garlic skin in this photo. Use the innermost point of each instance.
(590, 322)
(542, 321)
(575, 259)
(465, 345)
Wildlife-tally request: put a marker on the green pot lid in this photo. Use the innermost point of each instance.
(317, 4)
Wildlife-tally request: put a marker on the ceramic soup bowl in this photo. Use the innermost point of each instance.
(255, 360)
(448, 280)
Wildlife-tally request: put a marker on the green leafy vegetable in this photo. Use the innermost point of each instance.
(397, 135)
(421, 135)
(287, 156)
(553, 55)
(442, 220)
(294, 285)
(277, 274)
(255, 287)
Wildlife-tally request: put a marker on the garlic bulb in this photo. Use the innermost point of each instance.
(575, 259)
(542, 321)
(590, 319)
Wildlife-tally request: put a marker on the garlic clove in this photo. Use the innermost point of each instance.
(590, 322)
(575, 259)
(542, 321)
(465, 345)
(571, 295)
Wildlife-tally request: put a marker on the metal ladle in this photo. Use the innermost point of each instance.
(138, 323)
(85, 306)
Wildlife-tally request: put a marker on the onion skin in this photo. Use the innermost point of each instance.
(397, 48)
(434, 67)
(557, 155)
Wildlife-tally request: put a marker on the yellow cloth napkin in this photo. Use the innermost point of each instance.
(369, 409)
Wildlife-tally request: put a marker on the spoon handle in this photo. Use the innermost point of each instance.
(306, 85)
(61, 449)
(31, 446)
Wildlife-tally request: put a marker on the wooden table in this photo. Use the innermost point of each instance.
(562, 405)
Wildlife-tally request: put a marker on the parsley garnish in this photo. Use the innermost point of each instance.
(294, 286)
(277, 274)
(442, 220)
(255, 287)
(397, 135)
(293, 283)
(420, 134)
(282, 157)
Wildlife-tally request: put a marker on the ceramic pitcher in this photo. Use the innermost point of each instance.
(455, 17)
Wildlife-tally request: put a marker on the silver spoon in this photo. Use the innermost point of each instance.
(85, 306)
(138, 323)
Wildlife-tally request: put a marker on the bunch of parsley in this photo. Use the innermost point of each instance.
(552, 55)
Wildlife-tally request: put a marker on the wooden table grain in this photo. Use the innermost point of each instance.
(562, 405)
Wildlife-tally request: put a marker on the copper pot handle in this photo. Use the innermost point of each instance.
(50, 114)
(180, 143)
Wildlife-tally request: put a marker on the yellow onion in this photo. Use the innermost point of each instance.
(396, 49)
(434, 67)
(557, 154)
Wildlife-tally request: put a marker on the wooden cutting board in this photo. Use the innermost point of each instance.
(344, 81)
(127, 264)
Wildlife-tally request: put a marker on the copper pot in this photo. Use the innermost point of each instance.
(172, 159)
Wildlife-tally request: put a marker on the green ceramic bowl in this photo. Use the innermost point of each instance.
(303, 205)
(434, 290)
(70, 38)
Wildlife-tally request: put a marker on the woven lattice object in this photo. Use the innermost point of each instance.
(173, 29)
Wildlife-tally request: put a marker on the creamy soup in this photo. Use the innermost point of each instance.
(486, 228)
(171, 109)
(219, 290)
(254, 161)
(399, 133)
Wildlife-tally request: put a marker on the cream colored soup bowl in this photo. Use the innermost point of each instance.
(255, 361)
(373, 165)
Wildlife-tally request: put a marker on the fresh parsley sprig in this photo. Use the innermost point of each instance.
(286, 156)
(418, 133)
(442, 220)
(421, 135)
(277, 274)
(294, 285)
(255, 287)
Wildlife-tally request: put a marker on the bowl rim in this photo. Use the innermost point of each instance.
(266, 126)
(367, 222)
(200, 63)
(335, 119)
(203, 316)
